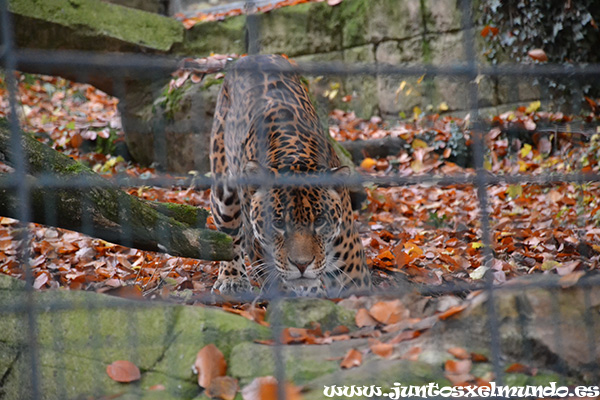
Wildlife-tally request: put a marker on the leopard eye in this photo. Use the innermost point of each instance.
(320, 221)
(279, 224)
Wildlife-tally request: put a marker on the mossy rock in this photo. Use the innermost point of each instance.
(77, 334)
(91, 25)
(303, 312)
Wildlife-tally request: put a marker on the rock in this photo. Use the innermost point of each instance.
(80, 333)
(91, 25)
(185, 117)
(301, 312)
(540, 325)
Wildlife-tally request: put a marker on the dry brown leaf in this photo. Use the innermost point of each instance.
(210, 363)
(476, 357)
(223, 387)
(458, 367)
(123, 371)
(382, 349)
(403, 336)
(538, 55)
(363, 318)
(389, 312)
(353, 358)
(570, 279)
(265, 388)
(451, 311)
(459, 353)
(518, 368)
(458, 372)
(412, 354)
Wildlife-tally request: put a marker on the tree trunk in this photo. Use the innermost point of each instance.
(99, 209)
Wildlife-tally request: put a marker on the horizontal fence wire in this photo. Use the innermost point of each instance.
(141, 66)
(122, 67)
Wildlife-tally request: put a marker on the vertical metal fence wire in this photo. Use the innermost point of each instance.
(31, 351)
(478, 135)
(119, 68)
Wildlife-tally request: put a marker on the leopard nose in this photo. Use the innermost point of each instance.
(301, 265)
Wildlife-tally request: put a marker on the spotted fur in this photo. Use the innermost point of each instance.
(300, 238)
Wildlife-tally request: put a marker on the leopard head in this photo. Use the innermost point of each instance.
(297, 227)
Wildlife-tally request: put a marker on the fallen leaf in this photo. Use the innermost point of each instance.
(223, 387)
(382, 349)
(476, 357)
(363, 318)
(459, 353)
(570, 279)
(451, 311)
(518, 368)
(389, 312)
(458, 372)
(538, 55)
(210, 363)
(458, 367)
(353, 358)
(403, 336)
(412, 354)
(123, 371)
(368, 163)
(265, 388)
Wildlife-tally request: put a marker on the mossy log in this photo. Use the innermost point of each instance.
(99, 209)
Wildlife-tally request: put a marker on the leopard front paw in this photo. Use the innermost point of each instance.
(232, 285)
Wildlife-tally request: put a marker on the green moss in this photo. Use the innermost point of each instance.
(99, 18)
(302, 363)
(353, 16)
(219, 36)
(87, 331)
(187, 214)
(301, 313)
(171, 99)
(210, 81)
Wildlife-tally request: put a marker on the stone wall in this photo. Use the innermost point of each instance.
(396, 32)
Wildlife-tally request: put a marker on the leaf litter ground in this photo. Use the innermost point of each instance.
(426, 234)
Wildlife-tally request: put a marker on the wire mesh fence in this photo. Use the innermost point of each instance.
(45, 332)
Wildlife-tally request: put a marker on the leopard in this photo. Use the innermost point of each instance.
(300, 239)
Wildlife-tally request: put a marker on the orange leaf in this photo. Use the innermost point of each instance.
(222, 387)
(459, 353)
(123, 371)
(412, 354)
(476, 357)
(458, 367)
(210, 364)
(406, 335)
(389, 312)
(368, 163)
(538, 55)
(353, 358)
(451, 311)
(517, 368)
(363, 318)
(265, 388)
(382, 349)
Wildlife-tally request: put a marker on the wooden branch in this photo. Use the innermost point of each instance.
(102, 210)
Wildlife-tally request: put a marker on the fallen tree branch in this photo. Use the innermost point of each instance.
(101, 210)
